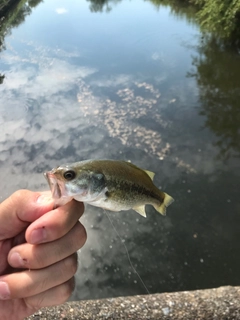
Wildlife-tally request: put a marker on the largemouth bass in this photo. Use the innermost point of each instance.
(109, 184)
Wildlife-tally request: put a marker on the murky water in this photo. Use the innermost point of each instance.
(135, 83)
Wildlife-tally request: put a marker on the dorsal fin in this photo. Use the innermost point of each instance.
(150, 174)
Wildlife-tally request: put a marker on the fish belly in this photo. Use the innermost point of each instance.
(109, 205)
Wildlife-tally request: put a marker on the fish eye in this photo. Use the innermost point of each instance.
(99, 176)
(69, 175)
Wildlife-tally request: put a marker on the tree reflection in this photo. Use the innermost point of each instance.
(2, 76)
(179, 8)
(217, 75)
(34, 3)
(99, 5)
(219, 17)
(13, 15)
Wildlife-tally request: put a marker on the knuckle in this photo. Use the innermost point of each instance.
(45, 284)
(19, 198)
(19, 195)
(33, 303)
(38, 302)
(68, 288)
(36, 260)
(81, 235)
(79, 206)
(82, 208)
(71, 264)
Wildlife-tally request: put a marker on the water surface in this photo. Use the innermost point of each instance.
(136, 83)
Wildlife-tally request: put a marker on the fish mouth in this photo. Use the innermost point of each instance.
(53, 184)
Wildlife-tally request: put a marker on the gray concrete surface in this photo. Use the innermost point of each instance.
(211, 304)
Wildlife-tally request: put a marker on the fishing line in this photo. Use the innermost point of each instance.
(128, 256)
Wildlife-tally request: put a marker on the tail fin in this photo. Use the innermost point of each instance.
(166, 202)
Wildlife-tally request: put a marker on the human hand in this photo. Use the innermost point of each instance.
(37, 252)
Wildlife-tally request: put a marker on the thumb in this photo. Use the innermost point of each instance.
(22, 208)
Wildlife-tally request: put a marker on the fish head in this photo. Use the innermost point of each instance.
(75, 182)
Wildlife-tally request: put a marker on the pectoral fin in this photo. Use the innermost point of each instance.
(141, 211)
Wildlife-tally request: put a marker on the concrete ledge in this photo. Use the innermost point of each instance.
(221, 304)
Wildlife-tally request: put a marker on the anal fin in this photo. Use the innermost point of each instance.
(141, 210)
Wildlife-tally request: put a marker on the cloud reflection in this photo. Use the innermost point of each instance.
(50, 104)
(54, 110)
(61, 10)
(51, 113)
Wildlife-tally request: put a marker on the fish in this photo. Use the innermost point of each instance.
(113, 185)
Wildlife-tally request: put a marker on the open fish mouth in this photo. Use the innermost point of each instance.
(53, 184)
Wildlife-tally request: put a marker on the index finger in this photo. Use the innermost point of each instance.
(22, 208)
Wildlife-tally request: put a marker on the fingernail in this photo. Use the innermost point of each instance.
(16, 260)
(4, 291)
(44, 199)
(38, 235)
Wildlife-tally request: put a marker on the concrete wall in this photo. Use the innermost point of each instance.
(211, 304)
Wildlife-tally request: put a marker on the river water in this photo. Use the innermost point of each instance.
(134, 82)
